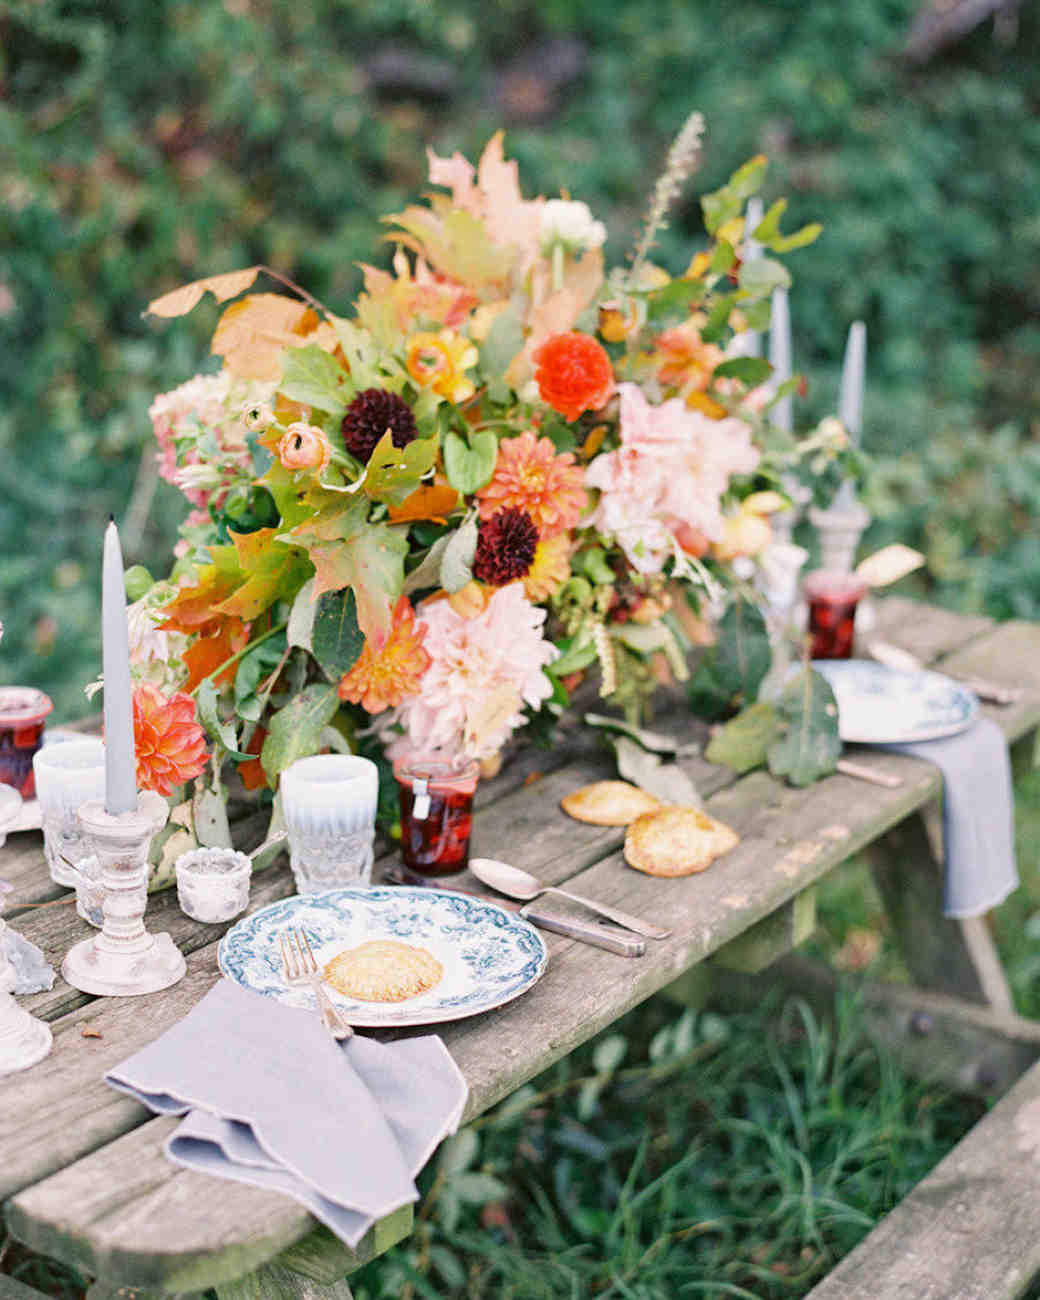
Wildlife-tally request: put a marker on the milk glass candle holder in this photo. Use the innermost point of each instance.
(67, 776)
(22, 712)
(213, 884)
(329, 802)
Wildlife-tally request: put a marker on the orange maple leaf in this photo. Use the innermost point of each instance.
(434, 501)
(253, 333)
(212, 648)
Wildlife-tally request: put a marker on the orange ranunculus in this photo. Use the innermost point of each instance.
(170, 743)
(574, 374)
(382, 679)
(304, 446)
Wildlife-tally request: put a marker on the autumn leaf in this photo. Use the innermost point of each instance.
(433, 501)
(272, 571)
(348, 551)
(455, 243)
(193, 606)
(252, 334)
(212, 648)
(178, 302)
(393, 473)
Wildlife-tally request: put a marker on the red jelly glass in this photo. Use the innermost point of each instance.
(832, 599)
(436, 812)
(22, 711)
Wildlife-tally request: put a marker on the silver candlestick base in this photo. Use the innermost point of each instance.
(124, 959)
(839, 529)
(24, 1040)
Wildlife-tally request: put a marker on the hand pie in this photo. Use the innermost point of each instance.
(608, 803)
(676, 841)
(383, 970)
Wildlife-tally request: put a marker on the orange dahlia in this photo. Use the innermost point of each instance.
(383, 679)
(574, 374)
(170, 743)
(530, 474)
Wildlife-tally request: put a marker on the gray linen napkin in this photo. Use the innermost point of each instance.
(273, 1100)
(978, 817)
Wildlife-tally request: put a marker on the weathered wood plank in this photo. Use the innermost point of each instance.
(970, 1230)
(1010, 656)
(73, 1212)
(773, 936)
(324, 1258)
(926, 630)
(275, 1282)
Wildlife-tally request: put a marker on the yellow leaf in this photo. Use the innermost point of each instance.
(707, 406)
(178, 302)
(252, 334)
(698, 266)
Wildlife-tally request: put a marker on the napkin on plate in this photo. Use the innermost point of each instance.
(978, 821)
(271, 1099)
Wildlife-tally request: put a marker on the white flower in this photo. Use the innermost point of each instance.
(570, 222)
(198, 478)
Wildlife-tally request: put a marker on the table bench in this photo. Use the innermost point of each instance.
(83, 1176)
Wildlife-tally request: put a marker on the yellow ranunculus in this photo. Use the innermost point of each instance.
(439, 361)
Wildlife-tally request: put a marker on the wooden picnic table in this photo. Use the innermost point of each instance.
(82, 1172)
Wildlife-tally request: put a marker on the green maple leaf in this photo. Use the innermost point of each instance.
(349, 551)
(273, 571)
(393, 473)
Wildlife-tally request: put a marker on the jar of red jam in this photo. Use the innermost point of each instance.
(832, 598)
(436, 794)
(22, 711)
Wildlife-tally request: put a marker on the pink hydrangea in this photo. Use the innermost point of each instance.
(666, 480)
(482, 671)
(200, 424)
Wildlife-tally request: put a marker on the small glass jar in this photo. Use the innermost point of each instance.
(22, 711)
(832, 598)
(436, 795)
(213, 884)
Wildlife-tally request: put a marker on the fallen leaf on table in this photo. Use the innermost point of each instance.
(88, 1031)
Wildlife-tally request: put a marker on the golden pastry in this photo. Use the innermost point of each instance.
(676, 841)
(383, 970)
(608, 803)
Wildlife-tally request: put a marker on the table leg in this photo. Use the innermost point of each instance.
(954, 957)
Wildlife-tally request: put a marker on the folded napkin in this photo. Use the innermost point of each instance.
(978, 818)
(272, 1099)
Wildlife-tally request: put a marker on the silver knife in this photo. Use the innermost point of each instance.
(896, 657)
(600, 934)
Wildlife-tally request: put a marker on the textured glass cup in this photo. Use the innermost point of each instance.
(832, 599)
(436, 812)
(329, 802)
(213, 884)
(22, 711)
(67, 776)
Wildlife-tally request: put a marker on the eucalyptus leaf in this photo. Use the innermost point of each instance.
(457, 559)
(209, 817)
(337, 640)
(428, 572)
(744, 741)
(295, 730)
(810, 747)
(665, 781)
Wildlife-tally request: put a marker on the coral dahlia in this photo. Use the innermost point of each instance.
(170, 743)
(530, 474)
(385, 678)
(573, 374)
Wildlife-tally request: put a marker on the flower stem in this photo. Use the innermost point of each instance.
(278, 627)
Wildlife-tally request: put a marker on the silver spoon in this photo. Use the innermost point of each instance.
(521, 884)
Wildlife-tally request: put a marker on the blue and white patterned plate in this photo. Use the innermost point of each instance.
(878, 705)
(489, 955)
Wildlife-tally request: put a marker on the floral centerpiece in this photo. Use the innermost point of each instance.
(509, 468)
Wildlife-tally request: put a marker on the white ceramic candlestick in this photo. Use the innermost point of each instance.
(24, 1040)
(124, 959)
(120, 761)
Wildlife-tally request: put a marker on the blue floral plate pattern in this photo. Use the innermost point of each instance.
(878, 705)
(489, 955)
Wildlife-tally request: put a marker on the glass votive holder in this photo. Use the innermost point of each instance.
(90, 892)
(329, 801)
(22, 711)
(67, 776)
(436, 794)
(213, 884)
(832, 598)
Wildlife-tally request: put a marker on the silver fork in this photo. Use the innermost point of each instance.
(300, 967)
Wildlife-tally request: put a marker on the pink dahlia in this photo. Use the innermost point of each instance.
(531, 475)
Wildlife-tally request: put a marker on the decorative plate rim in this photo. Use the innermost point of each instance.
(923, 677)
(359, 1016)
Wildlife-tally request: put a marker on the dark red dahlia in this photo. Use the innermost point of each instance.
(505, 547)
(368, 417)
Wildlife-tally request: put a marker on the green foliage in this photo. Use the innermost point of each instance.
(809, 746)
(731, 670)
